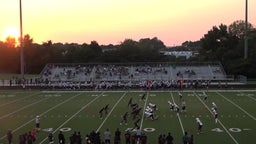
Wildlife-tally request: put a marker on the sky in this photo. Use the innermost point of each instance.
(113, 21)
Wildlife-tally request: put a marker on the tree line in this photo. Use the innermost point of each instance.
(221, 43)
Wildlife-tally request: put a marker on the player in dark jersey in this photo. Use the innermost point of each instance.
(124, 119)
(143, 97)
(136, 125)
(101, 112)
(134, 106)
(130, 102)
(106, 109)
(136, 112)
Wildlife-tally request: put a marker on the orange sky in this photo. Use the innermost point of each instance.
(112, 21)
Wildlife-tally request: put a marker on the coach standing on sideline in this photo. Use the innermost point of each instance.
(9, 136)
(37, 123)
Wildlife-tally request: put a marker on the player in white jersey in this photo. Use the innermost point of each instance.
(200, 125)
(153, 106)
(183, 106)
(215, 115)
(180, 95)
(205, 96)
(171, 105)
(149, 115)
(148, 109)
(214, 106)
(176, 107)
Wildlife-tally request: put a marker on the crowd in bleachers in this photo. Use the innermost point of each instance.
(111, 76)
(109, 72)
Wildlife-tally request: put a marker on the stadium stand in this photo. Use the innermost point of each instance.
(133, 72)
(128, 76)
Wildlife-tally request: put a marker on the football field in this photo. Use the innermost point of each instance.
(78, 111)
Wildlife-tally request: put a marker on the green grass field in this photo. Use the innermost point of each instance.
(78, 111)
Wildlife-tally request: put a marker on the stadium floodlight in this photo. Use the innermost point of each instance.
(246, 31)
(21, 44)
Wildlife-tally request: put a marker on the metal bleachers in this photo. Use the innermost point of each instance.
(133, 72)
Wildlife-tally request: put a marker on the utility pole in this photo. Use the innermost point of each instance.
(246, 31)
(21, 44)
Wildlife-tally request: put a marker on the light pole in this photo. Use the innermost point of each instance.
(246, 31)
(21, 44)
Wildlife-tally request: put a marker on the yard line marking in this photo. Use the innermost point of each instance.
(19, 99)
(252, 98)
(20, 109)
(237, 106)
(178, 115)
(42, 114)
(143, 114)
(110, 112)
(57, 129)
(218, 119)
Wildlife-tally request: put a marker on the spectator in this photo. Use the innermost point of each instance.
(127, 136)
(169, 139)
(29, 138)
(61, 138)
(117, 139)
(9, 136)
(185, 138)
(191, 140)
(33, 134)
(51, 138)
(107, 136)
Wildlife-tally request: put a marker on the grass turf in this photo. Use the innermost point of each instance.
(78, 111)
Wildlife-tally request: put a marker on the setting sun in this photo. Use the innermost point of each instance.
(11, 32)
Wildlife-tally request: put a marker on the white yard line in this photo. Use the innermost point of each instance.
(18, 99)
(252, 98)
(143, 112)
(57, 129)
(20, 109)
(237, 106)
(110, 112)
(218, 119)
(178, 115)
(42, 114)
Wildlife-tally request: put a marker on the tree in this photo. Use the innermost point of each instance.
(237, 28)
(11, 42)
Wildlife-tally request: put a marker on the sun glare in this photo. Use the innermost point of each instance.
(11, 32)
